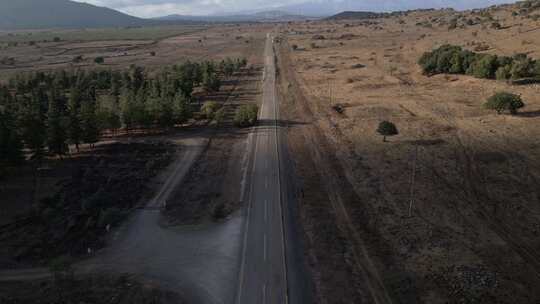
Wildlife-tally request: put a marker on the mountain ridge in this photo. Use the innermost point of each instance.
(34, 14)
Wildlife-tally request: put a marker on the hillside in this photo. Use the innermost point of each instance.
(34, 14)
(356, 15)
(264, 16)
(332, 7)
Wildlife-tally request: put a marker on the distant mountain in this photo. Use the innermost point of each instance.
(264, 16)
(355, 15)
(332, 7)
(37, 14)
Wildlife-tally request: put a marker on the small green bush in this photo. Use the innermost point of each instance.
(522, 68)
(246, 116)
(504, 101)
(209, 109)
(220, 116)
(485, 67)
(99, 60)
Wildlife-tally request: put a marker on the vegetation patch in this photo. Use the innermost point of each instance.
(504, 101)
(451, 59)
(246, 116)
(44, 112)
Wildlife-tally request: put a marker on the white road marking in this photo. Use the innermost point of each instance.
(265, 211)
(264, 293)
(264, 253)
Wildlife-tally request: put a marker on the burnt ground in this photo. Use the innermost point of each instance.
(211, 190)
(101, 289)
(86, 193)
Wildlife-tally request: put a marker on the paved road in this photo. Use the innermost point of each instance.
(271, 265)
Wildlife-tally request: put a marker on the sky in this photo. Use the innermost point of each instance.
(156, 8)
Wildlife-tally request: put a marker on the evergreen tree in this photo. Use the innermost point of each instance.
(127, 109)
(74, 128)
(90, 127)
(56, 124)
(141, 115)
(108, 113)
(211, 82)
(229, 67)
(10, 140)
(181, 109)
(33, 128)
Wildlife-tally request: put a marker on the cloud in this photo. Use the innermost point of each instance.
(153, 8)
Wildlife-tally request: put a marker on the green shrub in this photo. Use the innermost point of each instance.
(99, 60)
(536, 69)
(521, 68)
(246, 116)
(454, 60)
(485, 67)
(209, 109)
(504, 101)
(220, 116)
(503, 72)
(440, 60)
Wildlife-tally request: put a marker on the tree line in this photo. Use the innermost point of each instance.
(453, 59)
(44, 112)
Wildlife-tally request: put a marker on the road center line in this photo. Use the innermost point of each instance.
(265, 211)
(264, 253)
(264, 293)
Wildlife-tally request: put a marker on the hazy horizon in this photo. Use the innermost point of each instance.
(157, 8)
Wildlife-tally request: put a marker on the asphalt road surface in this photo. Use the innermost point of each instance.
(270, 267)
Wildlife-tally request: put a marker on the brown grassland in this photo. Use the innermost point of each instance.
(448, 211)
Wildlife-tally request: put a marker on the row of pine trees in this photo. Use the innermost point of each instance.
(43, 113)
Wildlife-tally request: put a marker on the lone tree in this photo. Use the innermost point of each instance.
(387, 128)
(504, 101)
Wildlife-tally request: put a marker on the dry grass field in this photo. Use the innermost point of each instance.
(448, 211)
(120, 48)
